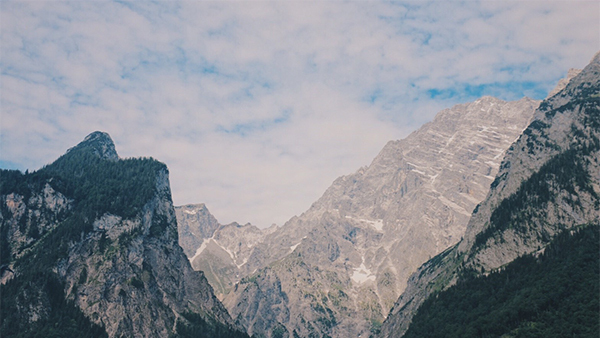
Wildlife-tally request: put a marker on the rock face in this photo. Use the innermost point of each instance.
(337, 269)
(548, 181)
(564, 82)
(220, 251)
(100, 144)
(94, 239)
(194, 224)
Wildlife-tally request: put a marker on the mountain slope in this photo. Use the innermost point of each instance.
(194, 224)
(220, 251)
(554, 295)
(549, 181)
(92, 240)
(337, 269)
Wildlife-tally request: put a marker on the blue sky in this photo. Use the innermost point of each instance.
(256, 107)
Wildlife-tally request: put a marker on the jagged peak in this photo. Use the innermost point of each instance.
(100, 143)
(488, 98)
(596, 58)
(197, 206)
(97, 135)
(564, 81)
(586, 77)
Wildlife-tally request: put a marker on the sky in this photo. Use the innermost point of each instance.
(257, 107)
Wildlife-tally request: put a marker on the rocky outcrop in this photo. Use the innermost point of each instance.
(102, 231)
(194, 224)
(548, 181)
(220, 251)
(562, 83)
(337, 269)
(100, 144)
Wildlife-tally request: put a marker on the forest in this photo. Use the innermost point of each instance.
(553, 295)
(96, 186)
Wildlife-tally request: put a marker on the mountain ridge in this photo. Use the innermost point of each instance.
(548, 182)
(92, 243)
(337, 268)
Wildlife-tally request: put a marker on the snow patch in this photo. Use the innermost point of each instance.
(377, 224)
(293, 247)
(231, 254)
(414, 165)
(451, 139)
(419, 172)
(362, 274)
(191, 212)
(243, 262)
(199, 250)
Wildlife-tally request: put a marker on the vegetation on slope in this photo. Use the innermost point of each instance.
(197, 327)
(34, 303)
(553, 295)
(98, 185)
(48, 314)
(568, 171)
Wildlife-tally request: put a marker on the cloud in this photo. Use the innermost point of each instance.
(256, 107)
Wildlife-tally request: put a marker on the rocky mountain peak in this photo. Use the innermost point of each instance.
(100, 144)
(195, 223)
(547, 183)
(336, 269)
(220, 250)
(564, 81)
(92, 241)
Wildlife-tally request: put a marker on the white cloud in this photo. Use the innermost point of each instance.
(256, 107)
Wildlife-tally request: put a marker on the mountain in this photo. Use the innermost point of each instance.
(337, 269)
(89, 247)
(562, 83)
(194, 224)
(220, 251)
(548, 183)
(552, 294)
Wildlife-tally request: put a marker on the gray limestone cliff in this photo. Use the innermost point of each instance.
(220, 251)
(338, 268)
(194, 224)
(549, 180)
(96, 235)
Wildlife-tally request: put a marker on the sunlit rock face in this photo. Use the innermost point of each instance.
(338, 268)
(221, 252)
(549, 180)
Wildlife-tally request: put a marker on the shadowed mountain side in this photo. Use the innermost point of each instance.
(92, 241)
